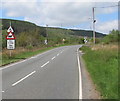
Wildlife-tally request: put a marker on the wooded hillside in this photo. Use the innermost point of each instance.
(30, 35)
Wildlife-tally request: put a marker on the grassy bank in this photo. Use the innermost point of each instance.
(102, 64)
(21, 53)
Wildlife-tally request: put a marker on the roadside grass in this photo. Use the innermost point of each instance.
(21, 54)
(6, 59)
(102, 64)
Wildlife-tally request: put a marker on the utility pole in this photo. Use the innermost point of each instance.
(93, 11)
(46, 40)
(46, 30)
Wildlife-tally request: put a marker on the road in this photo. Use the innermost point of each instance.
(51, 75)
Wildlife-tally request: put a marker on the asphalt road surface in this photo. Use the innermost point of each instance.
(51, 75)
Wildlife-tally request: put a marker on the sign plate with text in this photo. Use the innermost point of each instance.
(10, 44)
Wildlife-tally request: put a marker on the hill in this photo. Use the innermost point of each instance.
(87, 33)
(30, 35)
(23, 26)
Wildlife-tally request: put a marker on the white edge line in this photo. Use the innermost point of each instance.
(5, 67)
(80, 76)
(45, 64)
(53, 58)
(12, 64)
(23, 78)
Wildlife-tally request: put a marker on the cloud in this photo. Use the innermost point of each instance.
(19, 7)
(79, 0)
(13, 1)
(107, 26)
(65, 13)
(54, 12)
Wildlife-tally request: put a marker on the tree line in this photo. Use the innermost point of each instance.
(29, 35)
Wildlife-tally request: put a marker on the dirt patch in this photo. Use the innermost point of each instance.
(105, 47)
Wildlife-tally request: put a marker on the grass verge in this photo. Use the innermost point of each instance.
(21, 55)
(102, 64)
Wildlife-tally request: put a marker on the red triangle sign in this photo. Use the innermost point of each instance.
(10, 36)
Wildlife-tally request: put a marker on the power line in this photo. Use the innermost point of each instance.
(108, 6)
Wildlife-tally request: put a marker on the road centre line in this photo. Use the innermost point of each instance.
(45, 64)
(23, 78)
(5, 67)
(80, 75)
(53, 58)
(58, 54)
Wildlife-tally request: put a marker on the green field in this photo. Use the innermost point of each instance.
(102, 64)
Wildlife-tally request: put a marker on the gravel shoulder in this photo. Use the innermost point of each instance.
(88, 87)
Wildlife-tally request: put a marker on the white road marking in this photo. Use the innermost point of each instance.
(23, 78)
(3, 91)
(80, 78)
(80, 51)
(5, 67)
(45, 64)
(58, 54)
(13, 64)
(34, 57)
(53, 58)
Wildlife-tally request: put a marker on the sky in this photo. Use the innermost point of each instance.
(71, 14)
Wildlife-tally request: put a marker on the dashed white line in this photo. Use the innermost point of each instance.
(58, 54)
(5, 67)
(23, 78)
(53, 58)
(3, 91)
(45, 64)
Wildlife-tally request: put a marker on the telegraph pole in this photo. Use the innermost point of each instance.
(93, 10)
(46, 30)
(46, 41)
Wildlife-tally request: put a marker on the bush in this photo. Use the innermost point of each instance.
(30, 47)
(114, 36)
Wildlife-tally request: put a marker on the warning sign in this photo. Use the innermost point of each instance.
(10, 39)
(10, 36)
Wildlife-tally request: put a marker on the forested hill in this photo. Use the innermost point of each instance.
(86, 33)
(24, 26)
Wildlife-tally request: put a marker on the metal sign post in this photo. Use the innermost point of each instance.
(10, 53)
